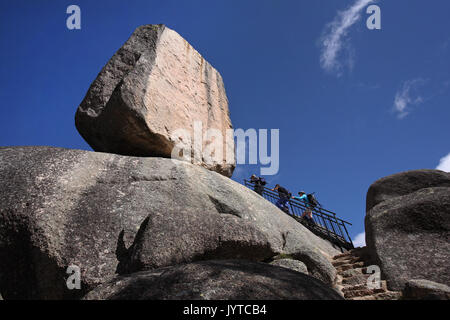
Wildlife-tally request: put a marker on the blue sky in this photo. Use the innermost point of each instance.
(381, 106)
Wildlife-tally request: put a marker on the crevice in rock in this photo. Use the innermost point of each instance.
(284, 236)
(222, 208)
(132, 179)
(125, 255)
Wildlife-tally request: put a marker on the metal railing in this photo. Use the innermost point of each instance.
(326, 224)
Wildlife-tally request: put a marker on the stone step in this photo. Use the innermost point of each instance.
(362, 293)
(352, 272)
(355, 280)
(342, 255)
(391, 295)
(352, 277)
(358, 287)
(363, 286)
(345, 267)
(349, 260)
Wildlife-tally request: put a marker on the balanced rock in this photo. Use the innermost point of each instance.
(408, 235)
(215, 280)
(154, 86)
(110, 214)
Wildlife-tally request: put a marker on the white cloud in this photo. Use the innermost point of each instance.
(408, 96)
(444, 164)
(335, 38)
(360, 240)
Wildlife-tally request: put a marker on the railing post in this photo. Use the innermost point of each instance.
(326, 226)
(317, 214)
(348, 236)
(339, 226)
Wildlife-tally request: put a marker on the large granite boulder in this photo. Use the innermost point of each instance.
(403, 183)
(155, 85)
(112, 214)
(420, 289)
(215, 280)
(408, 235)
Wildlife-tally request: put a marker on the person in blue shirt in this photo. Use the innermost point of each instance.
(302, 196)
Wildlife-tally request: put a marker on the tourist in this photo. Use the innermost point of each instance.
(302, 196)
(284, 195)
(258, 183)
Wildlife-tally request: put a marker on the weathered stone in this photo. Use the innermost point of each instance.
(356, 278)
(352, 273)
(389, 295)
(356, 282)
(215, 280)
(403, 183)
(315, 260)
(204, 237)
(349, 293)
(420, 289)
(156, 84)
(60, 207)
(176, 237)
(409, 236)
(291, 264)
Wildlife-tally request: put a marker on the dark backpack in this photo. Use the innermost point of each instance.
(312, 200)
(283, 193)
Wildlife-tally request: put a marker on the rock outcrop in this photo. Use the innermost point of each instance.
(408, 227)
(215, 280)
(419, 289)
(291, 264)
(112, 214)
(155, 85)
(404, 183)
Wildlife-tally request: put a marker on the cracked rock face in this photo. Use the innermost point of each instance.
(111, 214)
(155, 85)
(215, 280)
